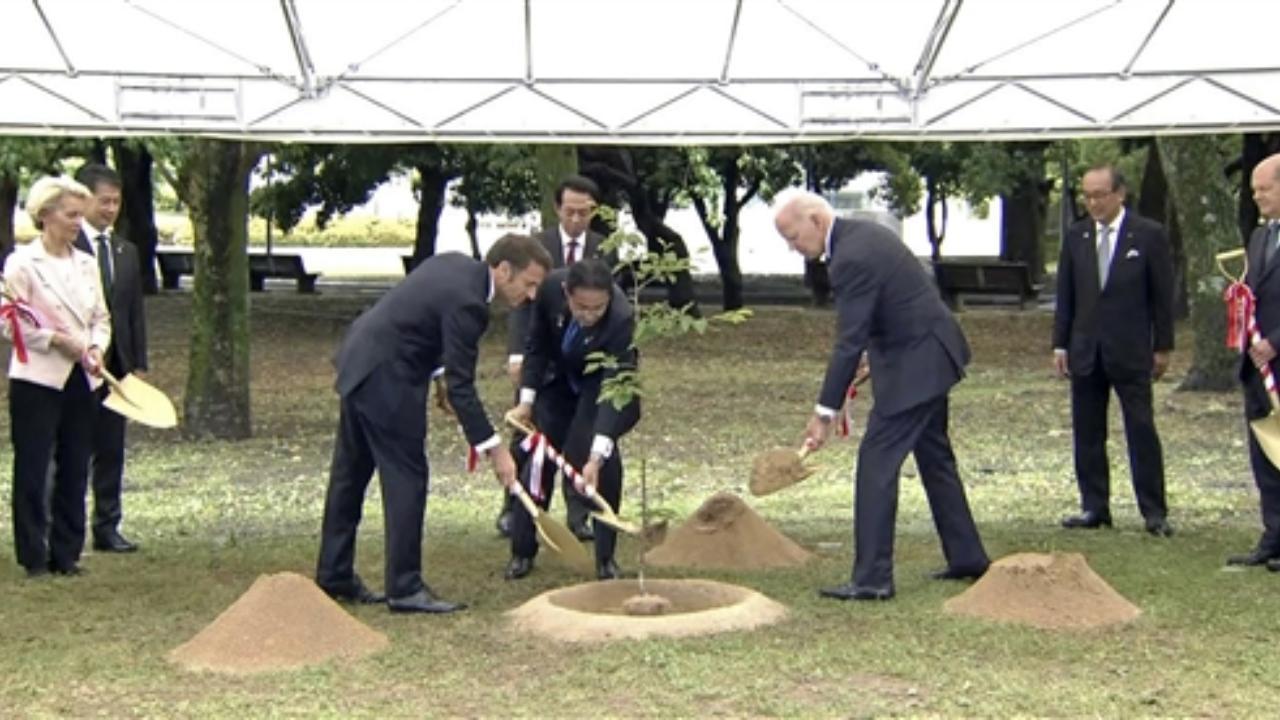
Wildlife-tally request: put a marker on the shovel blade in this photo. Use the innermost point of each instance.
(141, 402)
(616, 523)
(1267, 432)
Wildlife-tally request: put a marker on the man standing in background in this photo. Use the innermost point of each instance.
(1113, 328)
(122, 288)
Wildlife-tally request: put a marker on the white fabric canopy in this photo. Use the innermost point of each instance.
(637, 71)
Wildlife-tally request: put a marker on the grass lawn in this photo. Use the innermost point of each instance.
(212, 516)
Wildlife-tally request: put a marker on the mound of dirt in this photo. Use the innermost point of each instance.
(1056, 592)
(283, 622)
(726, 534)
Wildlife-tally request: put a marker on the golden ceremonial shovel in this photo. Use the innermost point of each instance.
(140, 401)
(1266, 430)
(773, 470)
(555, 536)
(606, 514)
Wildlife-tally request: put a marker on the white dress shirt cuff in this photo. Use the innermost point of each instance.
(488, 445)
(515, 359)
(824, 411)
(527, 395)
(437, 372)
(602, 446)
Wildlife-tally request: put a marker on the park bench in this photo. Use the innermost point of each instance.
(984, 277)
(262, 267)
(176, 263)
(173, 265)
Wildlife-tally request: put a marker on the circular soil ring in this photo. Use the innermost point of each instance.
(593, 612)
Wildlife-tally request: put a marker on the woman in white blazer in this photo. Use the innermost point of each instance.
(58, 337)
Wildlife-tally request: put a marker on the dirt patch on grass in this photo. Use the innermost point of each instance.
(594, 612)
(725, 533)
(1056, 592)
(283, 622)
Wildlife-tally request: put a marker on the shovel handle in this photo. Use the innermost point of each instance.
(518, 490)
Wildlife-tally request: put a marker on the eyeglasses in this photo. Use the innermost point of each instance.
(1096, 196)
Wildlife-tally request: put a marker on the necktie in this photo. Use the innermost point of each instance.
(572, 256)
(104, 264)
(572, 332)
(1104, 255)
(1271, 242)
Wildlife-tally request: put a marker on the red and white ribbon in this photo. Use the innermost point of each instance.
(846, 412)
(473, 459)
(1243, 295)
(570, 472)
(1240, 309)
(14, 311)
(536, 445)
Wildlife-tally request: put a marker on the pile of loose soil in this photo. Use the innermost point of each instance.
(726, 534)
(283, 622)
(1056, 592)
(598, 611)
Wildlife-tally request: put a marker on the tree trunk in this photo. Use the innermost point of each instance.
(1155, 202)
(472, 224)
(660, 237)
(935, 201)
(1022, 228)
(137, 222)
(1203, 198)
(554, 163)
(432, 182)
(1022, 215)
(8, 204)
(214, 184)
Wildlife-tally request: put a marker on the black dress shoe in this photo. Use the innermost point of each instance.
(517, 567)
(582, 531)
(950, 573)
(504, 522)
(608, 570)
(1088, 519)
(113, 543)
(1257, 556)
(1273, 564)
(849, 591)
(37, 573)
(1159, 527)
(357, 593)
(67, 570)
(423, 601)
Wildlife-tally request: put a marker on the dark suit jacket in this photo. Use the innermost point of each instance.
(128, 319)
(518, 324)
(548, 365)
(1132, 317)
(886, 303)
(434, 318)
(1265, 283)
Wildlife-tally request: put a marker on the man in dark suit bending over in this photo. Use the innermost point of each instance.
(887, 305)
(430, 323)
(571, 240)
(578, 311)
(1114, 329)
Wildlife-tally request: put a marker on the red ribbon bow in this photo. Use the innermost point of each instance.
(1240, 304)
(846, 412)
(15, 311)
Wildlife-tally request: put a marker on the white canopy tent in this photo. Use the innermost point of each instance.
(637, 71)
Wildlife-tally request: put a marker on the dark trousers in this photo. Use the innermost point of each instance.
(47, 424)
(108, 468)
(1089, 396)
(1265, 474)
(922, 431)
(568, 421)
(377, 431)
